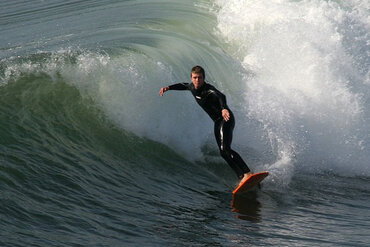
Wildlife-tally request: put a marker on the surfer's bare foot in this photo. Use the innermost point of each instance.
(246, 175)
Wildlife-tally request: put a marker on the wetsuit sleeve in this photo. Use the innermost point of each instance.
(222, 100)
(179, 86)
(220, 97)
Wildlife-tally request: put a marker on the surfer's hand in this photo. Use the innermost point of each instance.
(163, 89)
(226, 114)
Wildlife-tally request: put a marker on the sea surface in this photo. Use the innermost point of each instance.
(90, 155)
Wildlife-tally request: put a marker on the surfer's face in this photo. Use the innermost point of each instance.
(197, 79)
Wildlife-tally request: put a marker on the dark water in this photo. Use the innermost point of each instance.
(91, 156)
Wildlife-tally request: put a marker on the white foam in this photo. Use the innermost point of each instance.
(307, 77)
(126, 88)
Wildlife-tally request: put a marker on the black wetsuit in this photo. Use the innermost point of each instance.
(213, 102)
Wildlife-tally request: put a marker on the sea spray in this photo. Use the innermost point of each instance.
(306, 78)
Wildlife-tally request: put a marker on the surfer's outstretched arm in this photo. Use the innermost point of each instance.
(177, 86)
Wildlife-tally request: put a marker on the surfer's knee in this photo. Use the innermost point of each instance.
(225, 153)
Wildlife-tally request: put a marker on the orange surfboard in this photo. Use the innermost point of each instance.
(251, 181)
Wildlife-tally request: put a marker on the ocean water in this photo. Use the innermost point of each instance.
(90, 155)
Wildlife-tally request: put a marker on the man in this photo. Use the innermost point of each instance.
(214, 103)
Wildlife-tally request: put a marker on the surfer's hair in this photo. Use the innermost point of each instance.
(198, 70)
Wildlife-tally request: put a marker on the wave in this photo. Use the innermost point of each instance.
(297, 80)
(53, 128)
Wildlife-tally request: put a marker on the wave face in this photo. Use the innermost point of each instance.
(90, 155)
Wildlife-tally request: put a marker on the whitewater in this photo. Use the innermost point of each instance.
(90, 155)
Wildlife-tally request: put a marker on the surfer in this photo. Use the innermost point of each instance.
(214, 104)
